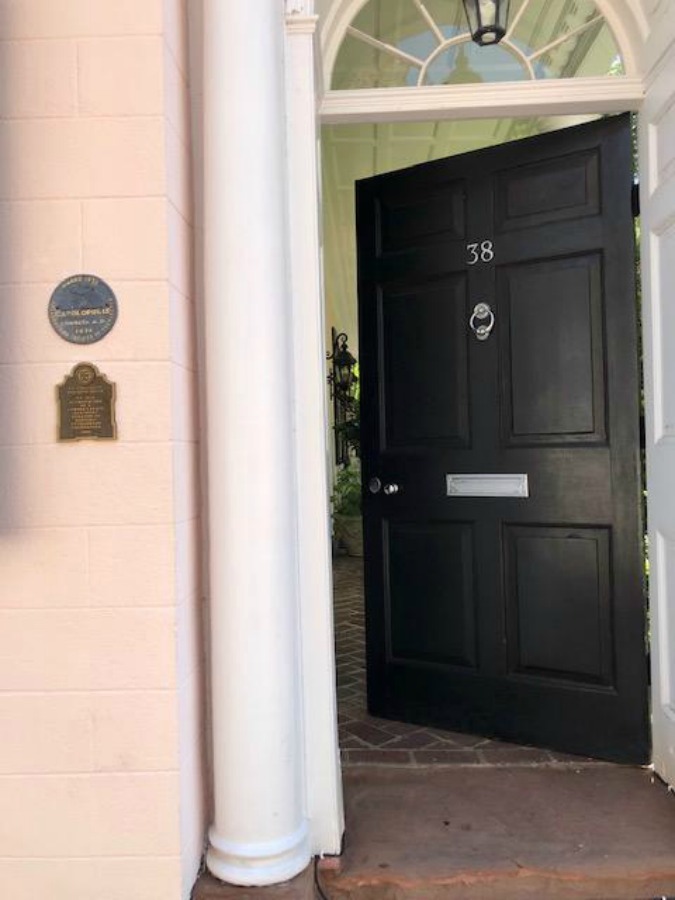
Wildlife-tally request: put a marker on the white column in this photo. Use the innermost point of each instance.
(259, 834)
(323, 776)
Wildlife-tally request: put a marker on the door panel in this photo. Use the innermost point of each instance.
(409, 218)
(559, 603)
(432, 317)
(430, 593)
(521, 617)
(545, 192)
(553, 351)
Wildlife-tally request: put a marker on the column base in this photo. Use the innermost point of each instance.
(258, 864)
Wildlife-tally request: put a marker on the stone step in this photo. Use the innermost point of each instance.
(596, 832)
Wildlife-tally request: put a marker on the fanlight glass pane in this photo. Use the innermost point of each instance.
(449, 14)
(394, 21)
(592, 53)
(403, 43)
(543, 21)
(590, 48)
(360, 66)
(468, 63)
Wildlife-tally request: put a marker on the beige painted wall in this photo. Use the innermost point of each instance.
(100, 644)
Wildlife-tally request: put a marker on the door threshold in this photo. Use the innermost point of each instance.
(597, 833)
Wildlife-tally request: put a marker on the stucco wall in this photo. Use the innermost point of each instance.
(100, 644)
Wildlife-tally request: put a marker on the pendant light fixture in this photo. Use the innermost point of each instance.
(487, 20)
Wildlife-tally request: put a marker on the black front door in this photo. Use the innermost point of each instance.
(500, 444)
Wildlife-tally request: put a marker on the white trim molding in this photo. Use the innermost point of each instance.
(555, 97)
(296, 24)
(317, 647)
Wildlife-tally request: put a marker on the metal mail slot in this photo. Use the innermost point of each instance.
(493, 485)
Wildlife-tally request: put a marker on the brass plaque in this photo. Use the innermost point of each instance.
(86, 402)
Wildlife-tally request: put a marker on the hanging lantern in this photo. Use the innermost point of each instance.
(487, 20)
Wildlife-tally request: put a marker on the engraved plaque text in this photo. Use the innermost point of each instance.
(86, 402)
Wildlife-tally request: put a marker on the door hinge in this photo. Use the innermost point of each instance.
(635, 199)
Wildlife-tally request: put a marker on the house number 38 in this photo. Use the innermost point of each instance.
(480, 252)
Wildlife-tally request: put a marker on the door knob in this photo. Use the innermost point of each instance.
(374, 485)
(390, 489)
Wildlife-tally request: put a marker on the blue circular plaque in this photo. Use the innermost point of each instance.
(83, 309)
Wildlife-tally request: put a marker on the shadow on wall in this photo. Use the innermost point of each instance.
(195, 31)
(14, 269)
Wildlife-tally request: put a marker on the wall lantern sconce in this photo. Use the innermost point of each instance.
(343, 379)
(343, 362)
(487, 20)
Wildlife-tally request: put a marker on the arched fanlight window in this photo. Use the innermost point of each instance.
(409, 43)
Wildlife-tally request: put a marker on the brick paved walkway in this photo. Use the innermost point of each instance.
(366, 739)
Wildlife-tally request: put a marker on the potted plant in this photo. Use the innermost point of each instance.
(347, 521)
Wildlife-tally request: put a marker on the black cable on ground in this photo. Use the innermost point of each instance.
(317, 882)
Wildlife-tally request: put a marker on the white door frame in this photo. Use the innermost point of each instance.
(563, 97)
(310, 58)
